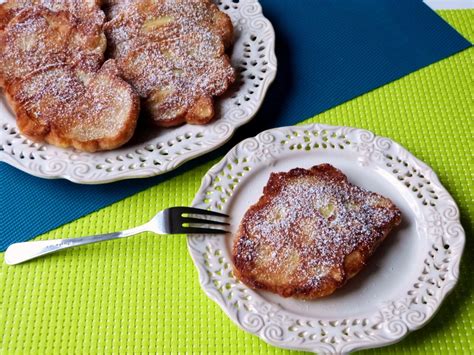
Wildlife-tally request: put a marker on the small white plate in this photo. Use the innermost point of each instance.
(159, 151)
(405, 281)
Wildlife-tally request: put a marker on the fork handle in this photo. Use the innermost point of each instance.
(20, 252)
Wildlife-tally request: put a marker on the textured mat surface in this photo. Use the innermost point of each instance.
(362, 51)
(142, 294)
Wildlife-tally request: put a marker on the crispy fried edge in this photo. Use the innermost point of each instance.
(202, 111)
(38, 132)
(339, 274)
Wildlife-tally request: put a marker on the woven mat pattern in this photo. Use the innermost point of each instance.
(142, 294)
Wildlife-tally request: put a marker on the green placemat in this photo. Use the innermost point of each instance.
(142, 294)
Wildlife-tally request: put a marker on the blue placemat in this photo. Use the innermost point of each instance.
(328, 52)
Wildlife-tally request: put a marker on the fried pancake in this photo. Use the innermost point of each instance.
(153, 20)
(51, 72)
(310, 232)
(55, 106)
(37, 38)
(173, 54)
(88, 12)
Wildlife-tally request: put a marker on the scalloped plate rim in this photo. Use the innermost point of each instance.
(182, 159)
(435, 179)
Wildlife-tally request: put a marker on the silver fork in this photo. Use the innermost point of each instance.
(174, 220)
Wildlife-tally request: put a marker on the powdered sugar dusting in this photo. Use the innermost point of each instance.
(103, 108)
(51, 71)
(171, 53)
(88, 12)
(113, 8)
(48, 93)
(310, 226)
(38, 38)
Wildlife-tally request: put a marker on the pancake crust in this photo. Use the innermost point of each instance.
(53, 80)
(173, 54)
(310, 232)
(88, 12)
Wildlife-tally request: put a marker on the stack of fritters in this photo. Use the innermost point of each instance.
(170, 53)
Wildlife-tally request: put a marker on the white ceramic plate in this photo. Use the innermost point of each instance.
(407, 278)
(160, 151)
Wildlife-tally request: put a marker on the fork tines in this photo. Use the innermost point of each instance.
(196, 225)
(192, 210)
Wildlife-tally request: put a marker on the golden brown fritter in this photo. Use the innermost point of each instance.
(173, 54)
(310, 232)
(52, 77)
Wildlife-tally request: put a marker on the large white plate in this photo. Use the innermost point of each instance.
(405, 281)
(162, 150)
